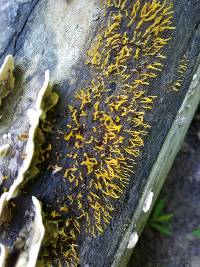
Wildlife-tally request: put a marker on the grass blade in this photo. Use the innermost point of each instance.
(158, 208)
(196, 233)
(163, 218)
(161, 229)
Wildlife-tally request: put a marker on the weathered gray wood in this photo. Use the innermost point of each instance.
(56, 35)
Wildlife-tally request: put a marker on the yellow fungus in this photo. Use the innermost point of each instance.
(106, 122)
(54, 214)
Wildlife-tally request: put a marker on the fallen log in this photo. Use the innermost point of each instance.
(127, 75)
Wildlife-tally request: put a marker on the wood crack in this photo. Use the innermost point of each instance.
(17, 34)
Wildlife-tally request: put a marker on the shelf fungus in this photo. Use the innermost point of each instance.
(30, 236)
(28, 241)
(3, 255)
(34, 235)
(4, 150)
(45, 101)
(6, 77)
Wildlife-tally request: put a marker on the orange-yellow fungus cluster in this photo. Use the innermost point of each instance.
(106, 122)
(180, 74)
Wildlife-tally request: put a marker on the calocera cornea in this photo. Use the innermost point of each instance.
(106, 125)
(182, 68)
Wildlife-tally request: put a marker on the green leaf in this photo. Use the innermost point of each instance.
(158, 208)
(196, 233)
(163, 218)
(164, 230)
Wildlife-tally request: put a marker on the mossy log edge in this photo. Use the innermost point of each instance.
(161, 167)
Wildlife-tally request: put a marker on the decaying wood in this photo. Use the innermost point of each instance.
(59, 35)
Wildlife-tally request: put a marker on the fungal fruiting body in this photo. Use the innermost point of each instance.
(3, 255)
(148, 202)
(106, 125)
(34, 233)
(46, 100)
(6, 77)
(183, 65)
(28, 254)
(133, 240)
(4, 150)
